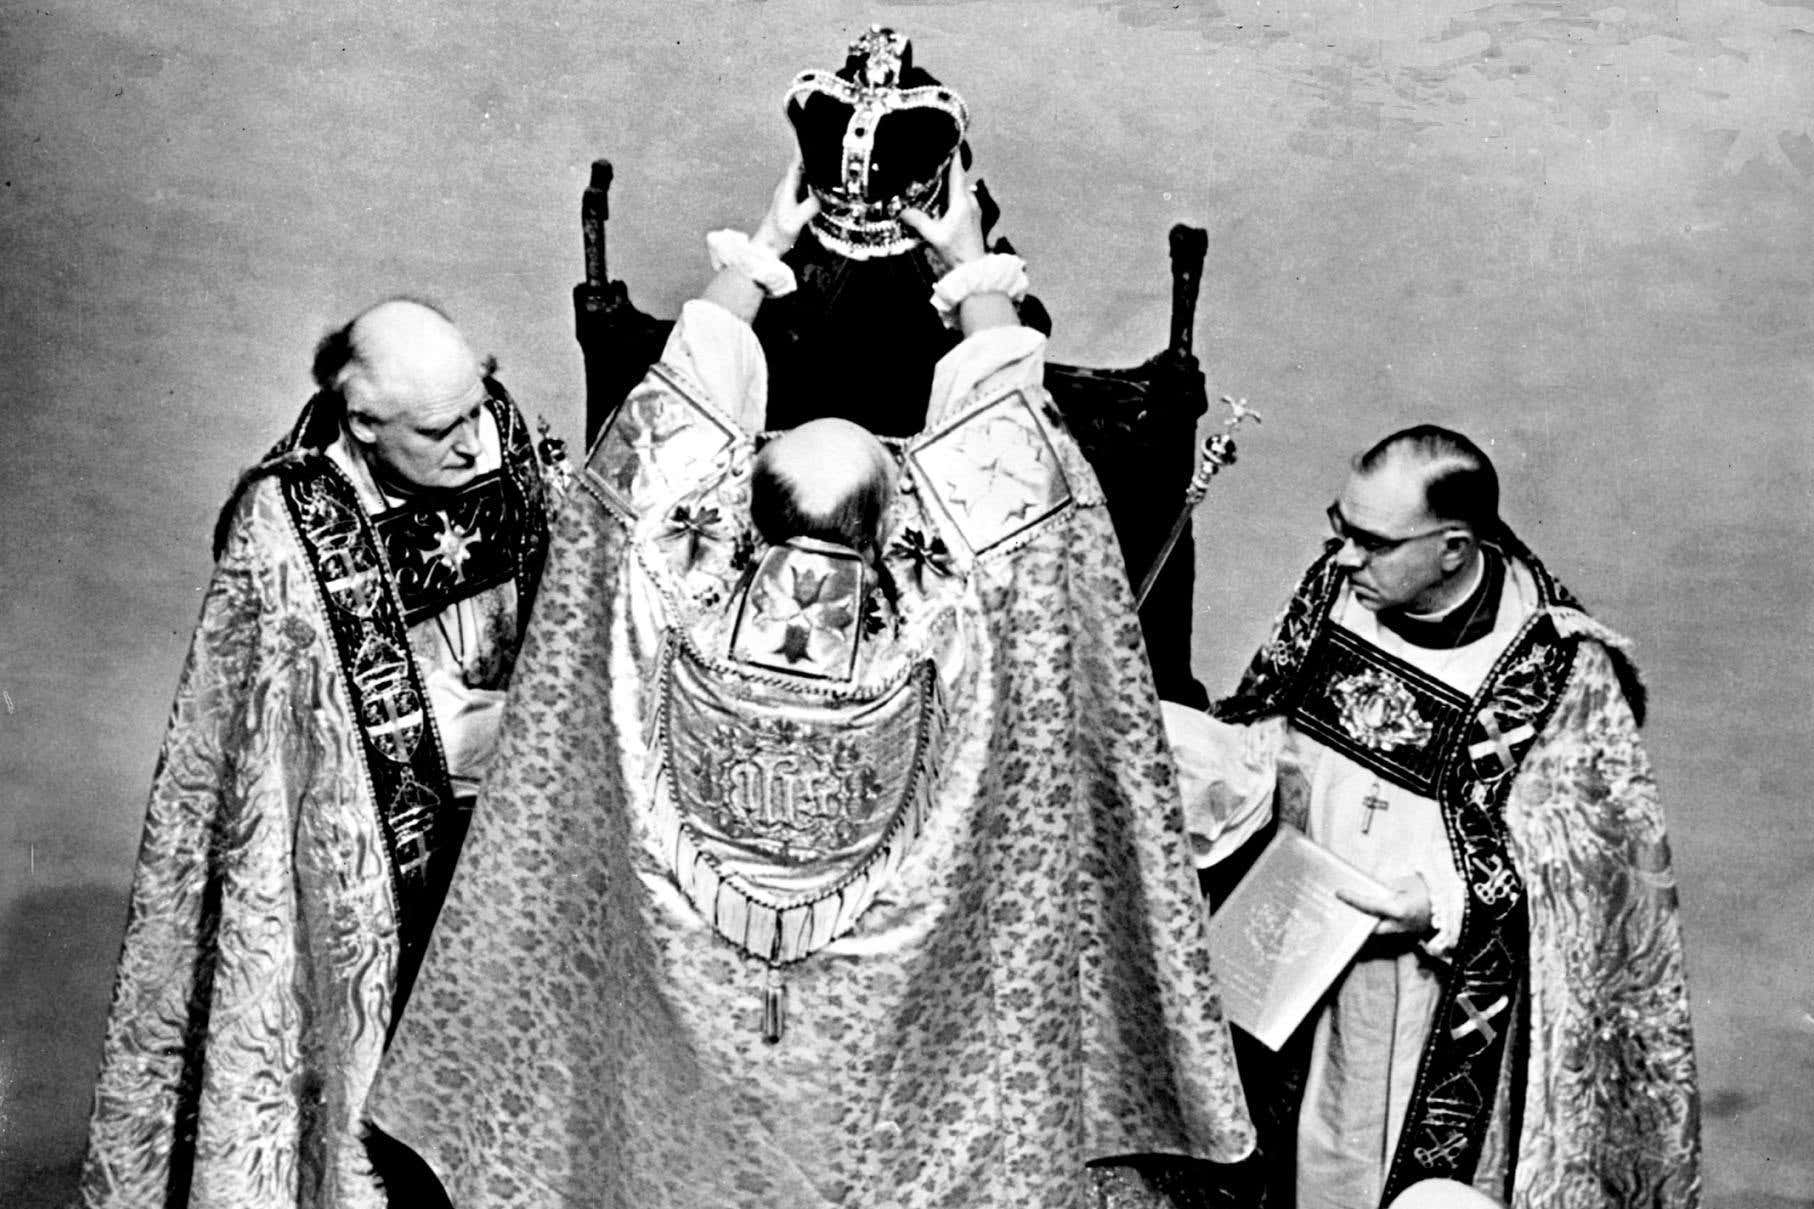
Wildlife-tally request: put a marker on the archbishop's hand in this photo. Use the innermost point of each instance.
(1402, 906)
(789, 210)
(957, 235)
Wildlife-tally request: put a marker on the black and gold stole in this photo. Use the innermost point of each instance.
(377, 576)
(1464, 752)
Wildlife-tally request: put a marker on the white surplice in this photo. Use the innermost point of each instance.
(1371, 1031)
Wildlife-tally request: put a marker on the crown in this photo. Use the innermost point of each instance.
(876, 136)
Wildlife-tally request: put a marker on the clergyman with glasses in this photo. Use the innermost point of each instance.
(1437, 710)
(336, 714)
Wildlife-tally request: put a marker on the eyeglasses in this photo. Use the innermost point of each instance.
(1371, 544)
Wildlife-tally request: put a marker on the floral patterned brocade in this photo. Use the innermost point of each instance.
(272, 920)
(238, 1053)
(1611, 1113)
(1029, 991)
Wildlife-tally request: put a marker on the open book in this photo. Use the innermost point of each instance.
(1283, 937)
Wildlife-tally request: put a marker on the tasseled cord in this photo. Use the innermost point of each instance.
(774, 1002)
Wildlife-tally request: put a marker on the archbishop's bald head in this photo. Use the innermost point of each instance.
(402, 357)
(827, 479)
(407, 390)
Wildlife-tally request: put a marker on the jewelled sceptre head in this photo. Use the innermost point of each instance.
(1218, 452)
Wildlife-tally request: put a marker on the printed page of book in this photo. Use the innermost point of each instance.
(1283, 937)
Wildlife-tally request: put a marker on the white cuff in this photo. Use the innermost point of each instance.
(1227, 776)
(1448, 895)
(996, 273)
(758, 262)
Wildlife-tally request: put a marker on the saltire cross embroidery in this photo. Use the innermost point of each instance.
(1497, 743)
(1479, 1020)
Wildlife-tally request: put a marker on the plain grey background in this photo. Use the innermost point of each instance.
(1582, 231)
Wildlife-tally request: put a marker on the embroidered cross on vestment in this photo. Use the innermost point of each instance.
(1479, 1020)
(1496, 744)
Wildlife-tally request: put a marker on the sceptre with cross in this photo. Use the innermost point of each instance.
(1218, 451)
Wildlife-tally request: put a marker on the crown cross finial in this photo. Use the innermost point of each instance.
(876, 136)
(883, 53)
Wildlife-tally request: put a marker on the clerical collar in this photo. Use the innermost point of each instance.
(391, 490)
(1468, 620)
(399, 491)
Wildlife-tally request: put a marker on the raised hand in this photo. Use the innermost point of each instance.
(957, 235)
(789, 210)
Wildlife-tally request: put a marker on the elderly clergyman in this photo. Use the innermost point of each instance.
(337, 712)
(1436, 709)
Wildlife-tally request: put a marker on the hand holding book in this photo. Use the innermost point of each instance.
(1402, 906)
(1290, 929)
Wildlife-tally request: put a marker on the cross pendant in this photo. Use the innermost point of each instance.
(1373, 803)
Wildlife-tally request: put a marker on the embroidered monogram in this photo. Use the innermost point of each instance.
(787, 789)
(1493, 880)
(782, 816)
(1445, 1152)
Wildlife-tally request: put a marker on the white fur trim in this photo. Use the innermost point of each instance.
(758, 262)
(1573, 623)
(996, 273)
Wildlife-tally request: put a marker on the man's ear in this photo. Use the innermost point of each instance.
(360, 426)
(1457, 547)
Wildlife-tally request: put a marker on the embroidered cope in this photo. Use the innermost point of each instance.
(813, 879)
(303, 821)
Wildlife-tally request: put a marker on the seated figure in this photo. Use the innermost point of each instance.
(856, 339)
(835, 856)
(874, 137)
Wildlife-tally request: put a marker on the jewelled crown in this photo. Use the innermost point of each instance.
(876, 136)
